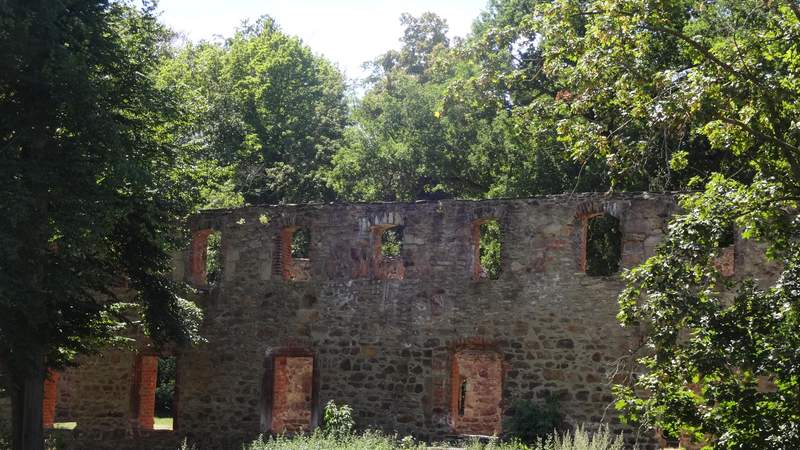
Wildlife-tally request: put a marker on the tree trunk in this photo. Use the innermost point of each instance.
(27, 395)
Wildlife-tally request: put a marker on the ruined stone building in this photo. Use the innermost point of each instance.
(421, 341)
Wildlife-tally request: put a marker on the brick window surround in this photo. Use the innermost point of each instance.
(383, 267)
(198, 256)
(50, 398)
(477, 271)
(476, 392)
(143, 391)
(284, 264)
(290, 392)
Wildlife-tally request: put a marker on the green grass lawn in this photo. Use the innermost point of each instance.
(65, 425)
(163, 423)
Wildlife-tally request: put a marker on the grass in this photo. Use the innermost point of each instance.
(162, 423)
(371, 440)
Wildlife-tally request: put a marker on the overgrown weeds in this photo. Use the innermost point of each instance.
(580, 439)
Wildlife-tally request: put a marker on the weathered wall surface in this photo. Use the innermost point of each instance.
(384, 345)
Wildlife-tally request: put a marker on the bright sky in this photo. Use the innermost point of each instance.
(348, 32)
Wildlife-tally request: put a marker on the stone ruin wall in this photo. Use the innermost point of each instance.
(416, 344)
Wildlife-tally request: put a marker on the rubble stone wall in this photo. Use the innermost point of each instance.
(386, 341)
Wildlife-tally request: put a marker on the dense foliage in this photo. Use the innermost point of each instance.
(531, 422)
(165, 387)
(85, 189)
(262, 116)
(662, 90)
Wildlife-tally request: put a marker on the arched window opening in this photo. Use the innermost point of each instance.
(603, 245)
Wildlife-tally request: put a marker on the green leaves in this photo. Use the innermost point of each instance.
(719, 345)
(86, 182)
(264, 117)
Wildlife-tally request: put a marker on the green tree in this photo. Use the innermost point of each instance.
(396, 147)
(475, 119)
(706, 92)
(422, 38)
(85, 190)
(396, 150)
(264, 115)
(506, 110)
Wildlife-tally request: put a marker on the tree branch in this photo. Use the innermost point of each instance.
(795, 8)
(700, 49)
(780, 143)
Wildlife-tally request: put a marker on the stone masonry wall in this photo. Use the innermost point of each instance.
(386, 341)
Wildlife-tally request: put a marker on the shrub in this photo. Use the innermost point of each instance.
(369, 440)
(186, 446)
(531, 422)
(165, 386)
(603, 439)
(338, 420)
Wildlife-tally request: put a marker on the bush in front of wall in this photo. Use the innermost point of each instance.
(531, 422)
(338, 420)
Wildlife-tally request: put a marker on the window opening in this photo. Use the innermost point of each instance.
(63, 418)
(301, 240)
(477, 391)
(392, 242)
(206, 257)
(462, 398)
(153, 396)
(214, 258)
(165, 394)
(487, 237)
(603, 245)
(728, 237)
(292, 393)
(291, 259)
(387, 261)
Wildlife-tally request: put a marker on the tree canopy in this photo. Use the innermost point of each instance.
(262, 117)
(692, 83)
(85, 190)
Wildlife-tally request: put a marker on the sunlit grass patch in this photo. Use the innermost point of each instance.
(162, 423)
